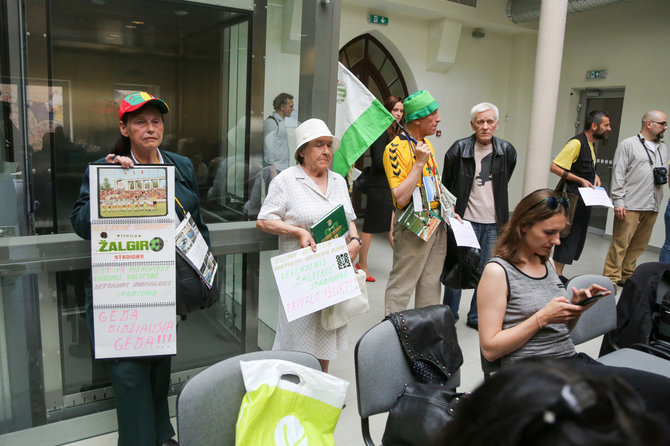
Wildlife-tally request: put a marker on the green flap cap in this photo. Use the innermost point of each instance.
(419, 104)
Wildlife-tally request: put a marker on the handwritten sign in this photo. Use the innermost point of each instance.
(311, 281)
(133, 256)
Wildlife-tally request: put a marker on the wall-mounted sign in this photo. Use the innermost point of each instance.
(378, 19)
(596, 74)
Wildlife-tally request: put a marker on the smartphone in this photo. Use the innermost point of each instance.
(593, 298)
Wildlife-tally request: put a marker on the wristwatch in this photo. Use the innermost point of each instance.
(358, 239)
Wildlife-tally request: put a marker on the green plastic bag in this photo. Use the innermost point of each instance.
(288, 404)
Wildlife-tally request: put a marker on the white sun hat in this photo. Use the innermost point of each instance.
(312, 129)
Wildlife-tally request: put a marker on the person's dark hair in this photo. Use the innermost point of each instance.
(534, 207)
(299, 156)
(596, 116)
(281, 99)
(122, 145)
(511, 408)
(394, 129)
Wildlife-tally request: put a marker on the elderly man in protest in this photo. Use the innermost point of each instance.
(477, 170)
(420, 236)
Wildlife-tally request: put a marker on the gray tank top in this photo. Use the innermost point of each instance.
(526, 295)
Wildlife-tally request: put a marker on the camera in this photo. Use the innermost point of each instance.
(660, 175)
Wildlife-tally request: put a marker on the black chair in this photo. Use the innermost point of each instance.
(381, 373)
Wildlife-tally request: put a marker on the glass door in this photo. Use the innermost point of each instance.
(82, 58)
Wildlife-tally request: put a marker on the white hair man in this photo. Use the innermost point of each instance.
(477, 170)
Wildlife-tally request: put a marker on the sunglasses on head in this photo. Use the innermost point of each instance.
(553, 202)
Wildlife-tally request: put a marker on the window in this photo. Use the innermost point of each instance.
(367, 58)
(371, 62)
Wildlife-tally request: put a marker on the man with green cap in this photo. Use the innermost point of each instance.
(411, 169)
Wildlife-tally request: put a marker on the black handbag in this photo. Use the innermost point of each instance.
(562, 192)
(461, 265)
(362, 183)
(420, 415)
(192, 291)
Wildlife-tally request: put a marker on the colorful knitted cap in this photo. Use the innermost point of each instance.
(419, 104)
(138, 100)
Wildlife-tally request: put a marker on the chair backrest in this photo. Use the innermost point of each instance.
(601, 317)
(381, 369)
(382, 372)
(663, 287)
(209, 403)
(488, 367)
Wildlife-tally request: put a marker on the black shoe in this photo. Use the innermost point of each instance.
(170, 442)
(473, 324)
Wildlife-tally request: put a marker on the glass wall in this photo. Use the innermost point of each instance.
(64, 67)
(282, 65)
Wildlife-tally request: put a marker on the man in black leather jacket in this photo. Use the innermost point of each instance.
(477, 170)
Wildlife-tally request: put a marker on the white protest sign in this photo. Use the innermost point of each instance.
(311, 281)
(132, 261)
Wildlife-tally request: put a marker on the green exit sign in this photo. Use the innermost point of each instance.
(379, 19)
(596, 74)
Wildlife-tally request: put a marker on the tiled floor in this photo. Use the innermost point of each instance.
(348, 431)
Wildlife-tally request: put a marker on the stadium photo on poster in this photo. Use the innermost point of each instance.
(136, 192)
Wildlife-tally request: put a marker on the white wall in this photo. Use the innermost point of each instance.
(497, 69)
(630, 40)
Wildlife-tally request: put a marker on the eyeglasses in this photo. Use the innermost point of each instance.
(661, 123)
(553, 202)
(589, 403)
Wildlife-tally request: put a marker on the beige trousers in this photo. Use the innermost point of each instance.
(417, 266)
(630, 238)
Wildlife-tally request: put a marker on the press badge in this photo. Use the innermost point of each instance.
(417, 200)
(429, 184)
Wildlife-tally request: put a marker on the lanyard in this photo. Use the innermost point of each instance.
(646, 149)
(431, 161)
(179, 203)
(431, 166)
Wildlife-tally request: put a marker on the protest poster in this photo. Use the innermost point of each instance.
(133, 260)
(310, 281)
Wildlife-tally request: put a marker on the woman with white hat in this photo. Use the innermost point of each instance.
(299, 196)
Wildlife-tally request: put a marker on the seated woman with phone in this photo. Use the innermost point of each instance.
(531, 316)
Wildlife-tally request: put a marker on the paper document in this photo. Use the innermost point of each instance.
(447, 202)
(595, 197)
(464, 234)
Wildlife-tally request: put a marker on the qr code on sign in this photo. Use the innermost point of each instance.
(343, 261)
